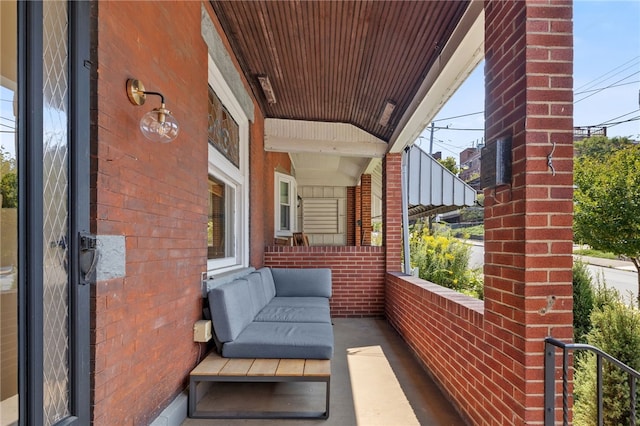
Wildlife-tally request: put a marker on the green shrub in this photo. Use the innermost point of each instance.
(603, 295)
(583, 299)
(444, 260)
(615, 330)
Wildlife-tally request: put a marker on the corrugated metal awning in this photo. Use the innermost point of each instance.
(432, 188)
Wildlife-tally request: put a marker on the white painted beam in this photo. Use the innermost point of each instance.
(298, 136)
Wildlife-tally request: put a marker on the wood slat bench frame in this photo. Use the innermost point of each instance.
(214, 368)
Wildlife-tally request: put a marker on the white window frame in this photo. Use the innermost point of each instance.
(235, 177)
(293, 211)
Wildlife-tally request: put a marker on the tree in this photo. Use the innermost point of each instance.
(450, 164)
(607, 203)
(8, 179)
(600, 147)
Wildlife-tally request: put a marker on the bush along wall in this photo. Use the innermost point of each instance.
(443, 259)
(615, 328)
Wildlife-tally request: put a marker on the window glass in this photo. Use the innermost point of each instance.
(285, 205)
(285, 221)
(228, 169)
(285, 213)
(284, 193)
(220, 225)
(223, 130)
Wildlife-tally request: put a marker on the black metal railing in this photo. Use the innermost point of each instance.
(550, 382)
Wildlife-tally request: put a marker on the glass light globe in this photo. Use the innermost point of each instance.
(158, 125)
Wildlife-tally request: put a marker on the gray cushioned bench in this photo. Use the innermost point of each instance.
(275, 314)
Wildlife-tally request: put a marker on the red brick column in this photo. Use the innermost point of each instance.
(351, 216)
(358, 216)
(392, 210)
(365, 209)
(528, 237)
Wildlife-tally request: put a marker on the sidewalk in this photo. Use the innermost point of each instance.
(623, 265)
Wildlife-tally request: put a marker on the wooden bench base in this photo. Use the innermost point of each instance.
(214, 368)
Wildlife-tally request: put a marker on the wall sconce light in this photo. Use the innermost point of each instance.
(267, 89)
(389, 106)
(157, 125)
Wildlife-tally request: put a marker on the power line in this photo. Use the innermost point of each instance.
(613, 123)
(593, 82)
(624, 121)
(622, 79)
(459, 116)
(615, 118)
(454, 128)
(609, 87)
(7, 119)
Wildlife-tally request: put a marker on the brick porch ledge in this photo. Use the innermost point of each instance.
(357, 272)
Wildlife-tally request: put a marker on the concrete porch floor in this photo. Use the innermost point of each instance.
(375, 381)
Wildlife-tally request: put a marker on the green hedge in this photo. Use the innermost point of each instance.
(583, 300)
(615, 329)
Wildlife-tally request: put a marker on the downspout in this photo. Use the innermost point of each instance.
(405, 210)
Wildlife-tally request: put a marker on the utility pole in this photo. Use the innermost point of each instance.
(431, 138)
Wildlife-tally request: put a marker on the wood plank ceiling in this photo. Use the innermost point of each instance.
(338, 61)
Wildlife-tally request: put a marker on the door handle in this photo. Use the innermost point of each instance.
(87, 257)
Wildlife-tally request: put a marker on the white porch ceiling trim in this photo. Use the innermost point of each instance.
(460, 56)
(299, 136)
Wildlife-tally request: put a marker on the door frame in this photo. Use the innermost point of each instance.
(30, 204)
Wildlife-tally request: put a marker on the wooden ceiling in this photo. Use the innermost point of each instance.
(338, 61)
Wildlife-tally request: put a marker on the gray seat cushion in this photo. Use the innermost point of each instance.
(282, 340)
(301, 302)
(272, 313)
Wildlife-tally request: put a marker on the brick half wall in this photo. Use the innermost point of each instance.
(357, 274)
(445, 330)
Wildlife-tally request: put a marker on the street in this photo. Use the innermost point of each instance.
(626, 282)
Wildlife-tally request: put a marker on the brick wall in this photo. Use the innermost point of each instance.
(155, 195)
(260, 186)
(351, 216)
(357, 275)
(528, 277)
(358, 216)
(392, 210)
(261, 194)
(491, 361)
(365, 208)
(445, 329)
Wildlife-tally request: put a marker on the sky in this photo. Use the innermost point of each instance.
(606, 53)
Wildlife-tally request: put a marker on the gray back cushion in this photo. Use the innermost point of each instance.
(220, 279)
(259, 297)
(231, 309)
(302, 282)
(267, 282)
